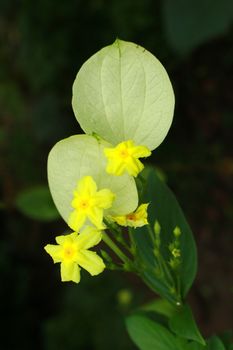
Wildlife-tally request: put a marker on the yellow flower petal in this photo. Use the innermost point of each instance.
(91, 262)
(64, 238)
(87, 186)
(140, 151)
(76, 220)
(114, 166)
(88, 238)
(124, 158)
(104, 198)
(95, 215)
(120, 220)
(134, 166)
(54, 251)
(70, 272)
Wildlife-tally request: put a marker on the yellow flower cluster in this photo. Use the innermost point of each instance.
(72, 250)
(88, 205)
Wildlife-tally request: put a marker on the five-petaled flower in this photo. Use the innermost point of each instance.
(73, 251)
(135, 219)
(88, 203)
(124, 158)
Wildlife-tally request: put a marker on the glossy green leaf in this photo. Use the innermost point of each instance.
(187, 345)
(227, 339)
(165, 208)
(183, 324)
(149, 335)
(36, 203)
(123, 92)
(195, 346)
(215, 343)
(81, 155)
(160, 306)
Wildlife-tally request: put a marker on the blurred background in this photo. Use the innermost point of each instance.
(43, 45)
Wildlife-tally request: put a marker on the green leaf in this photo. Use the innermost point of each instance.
(183, 324)
(160, 306)
(227, 338)
(189, 23)
(185, 345)
(123, 92)
(81, 155)
(149, 335)
(36, 203)
(214, 343)
(165, 209)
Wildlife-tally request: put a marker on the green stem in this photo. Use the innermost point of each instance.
(118, 235)
(115, 248)
(151, 232)
(162, 263)
(132, 242)
(166, 270)
(170, 280)
(178, 285)
(165, 273)
(159, 264)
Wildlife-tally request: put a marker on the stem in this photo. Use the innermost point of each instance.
(160, 265)
(166, 270)
(166, 276)
(132, 242)
(178, 286)
(115, 248)
(161, 262)
(119, 236)
(170, 280)
(151, 232)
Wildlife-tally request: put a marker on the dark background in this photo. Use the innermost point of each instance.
(43, 44)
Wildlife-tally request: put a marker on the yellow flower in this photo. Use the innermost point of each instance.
(88, 203)
(73, 251)
(135, 219)
(124, 157)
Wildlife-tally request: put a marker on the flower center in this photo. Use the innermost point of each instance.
(69, 252)
(123, 153)
(131, 217)
(84, 204)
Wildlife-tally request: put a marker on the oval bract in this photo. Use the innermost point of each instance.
(124, 93)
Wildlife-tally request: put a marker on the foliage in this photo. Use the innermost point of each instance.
(37, 204)
(43, 45)
(165, 209)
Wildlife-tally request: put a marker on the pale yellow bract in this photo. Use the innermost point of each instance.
(124, 93)
(88, 203)
(73, 251)
(124, 158)
(135, 219)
